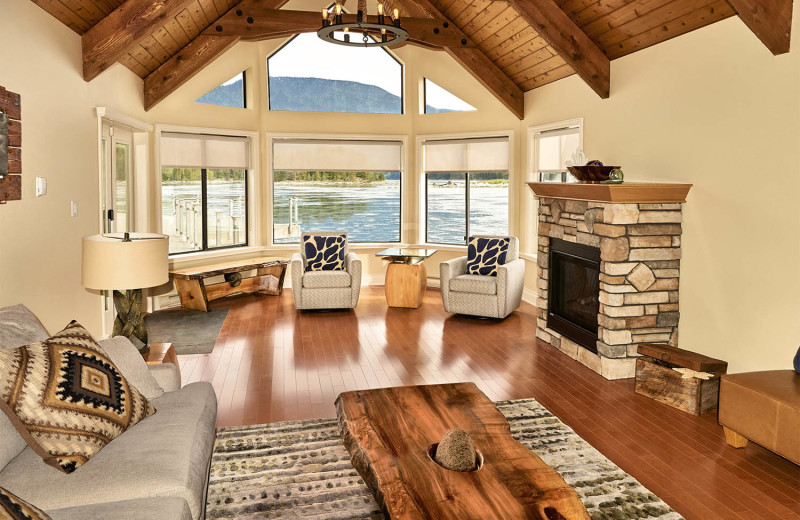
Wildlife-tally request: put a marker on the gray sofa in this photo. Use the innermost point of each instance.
(158, 469)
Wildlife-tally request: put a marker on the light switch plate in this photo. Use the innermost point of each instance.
(41, 186)
(73, 208)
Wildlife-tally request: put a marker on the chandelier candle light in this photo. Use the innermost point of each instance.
(373, 34)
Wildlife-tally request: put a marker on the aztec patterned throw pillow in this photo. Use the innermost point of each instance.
(66, 398)
(324, 253)
(14, 508)
(485, 254)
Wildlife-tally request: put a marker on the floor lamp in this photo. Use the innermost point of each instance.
(126, 263)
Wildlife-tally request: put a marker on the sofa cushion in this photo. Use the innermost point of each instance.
(473, 283)
(161, 508)
(19, 326)
(484, 254)
(132, 365)
(66, 398)
(166, 455)
(324, 252)
(318, 279)
(13, 508)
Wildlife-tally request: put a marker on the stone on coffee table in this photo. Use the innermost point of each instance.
(456, 451)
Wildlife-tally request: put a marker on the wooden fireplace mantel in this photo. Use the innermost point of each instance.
(627, 193)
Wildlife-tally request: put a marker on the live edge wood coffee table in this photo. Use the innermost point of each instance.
(389, 431)
(195, 294)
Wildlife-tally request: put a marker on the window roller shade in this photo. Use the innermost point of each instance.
(467, 155)
(204, 151)
(330, 156)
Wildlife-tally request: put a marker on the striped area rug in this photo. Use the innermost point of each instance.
(301, 470)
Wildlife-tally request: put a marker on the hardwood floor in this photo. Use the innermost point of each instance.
(272, 363)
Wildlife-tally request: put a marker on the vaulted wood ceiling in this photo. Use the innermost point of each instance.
(510, 46)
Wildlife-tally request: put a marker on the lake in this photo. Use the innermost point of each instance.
(368, 213)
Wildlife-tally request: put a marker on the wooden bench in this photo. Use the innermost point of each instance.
(195, 294)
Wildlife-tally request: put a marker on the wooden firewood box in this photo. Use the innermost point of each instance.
(656, 378)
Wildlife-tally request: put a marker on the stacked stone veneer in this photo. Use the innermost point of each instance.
(640, 251)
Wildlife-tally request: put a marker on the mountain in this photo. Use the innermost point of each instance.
(316, 95)
(231, 95)
(326, 95)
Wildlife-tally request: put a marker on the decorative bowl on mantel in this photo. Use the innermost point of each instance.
(591, 173)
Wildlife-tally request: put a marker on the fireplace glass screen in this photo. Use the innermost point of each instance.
(574, 288)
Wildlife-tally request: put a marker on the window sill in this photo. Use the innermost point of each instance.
(529, 257)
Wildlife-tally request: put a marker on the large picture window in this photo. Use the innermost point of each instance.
(466, 188)
(204, 195)
(336, 185)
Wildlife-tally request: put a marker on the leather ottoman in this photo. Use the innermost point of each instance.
(763, 407)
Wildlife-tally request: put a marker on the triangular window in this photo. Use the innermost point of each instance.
(439, 100)
(229, 94)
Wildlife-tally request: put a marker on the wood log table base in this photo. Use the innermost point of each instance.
(388, 432)
(405, 284)
(195, 294)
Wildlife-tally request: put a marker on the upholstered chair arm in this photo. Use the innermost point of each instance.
(167, 376)
(510, 282)
(297, 279)
(447, 271)
(353, 266)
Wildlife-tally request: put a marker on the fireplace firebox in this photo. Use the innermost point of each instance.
(573, 298)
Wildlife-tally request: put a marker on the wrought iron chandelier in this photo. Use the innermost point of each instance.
(383, 31)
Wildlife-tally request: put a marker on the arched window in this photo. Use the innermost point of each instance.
(310, 75)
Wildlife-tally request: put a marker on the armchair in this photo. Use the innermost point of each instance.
(481, 295)
(335, 289)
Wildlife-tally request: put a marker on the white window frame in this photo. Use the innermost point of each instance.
(422, 199)
(404, 183)
(253, 195)
(531, 222)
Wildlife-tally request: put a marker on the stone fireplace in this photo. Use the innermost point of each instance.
(628, 236)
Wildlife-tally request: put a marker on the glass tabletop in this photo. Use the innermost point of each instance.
(406, 252)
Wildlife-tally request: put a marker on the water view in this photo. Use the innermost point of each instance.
(368, 212)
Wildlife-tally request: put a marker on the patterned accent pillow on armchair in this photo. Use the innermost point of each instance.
(66, 398)
(485, 254)
(324, 252)
(13, 507)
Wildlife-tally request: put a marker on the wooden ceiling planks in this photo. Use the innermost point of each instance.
(713, 12)
(504, 39)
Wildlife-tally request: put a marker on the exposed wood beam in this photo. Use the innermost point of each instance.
(183, 66)
(569, 41)
(194, 57)
(122, 30)
(473, 59)
(257, 23)
(770, 20)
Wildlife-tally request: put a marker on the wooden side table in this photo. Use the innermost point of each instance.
(162, 353)
(406, 276)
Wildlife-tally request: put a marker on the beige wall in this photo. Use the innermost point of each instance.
(713, 108)
(716, 109)
(40, 244)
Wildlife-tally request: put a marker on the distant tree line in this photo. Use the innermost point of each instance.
(195, 174)
(473, 176)
(312, 176)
